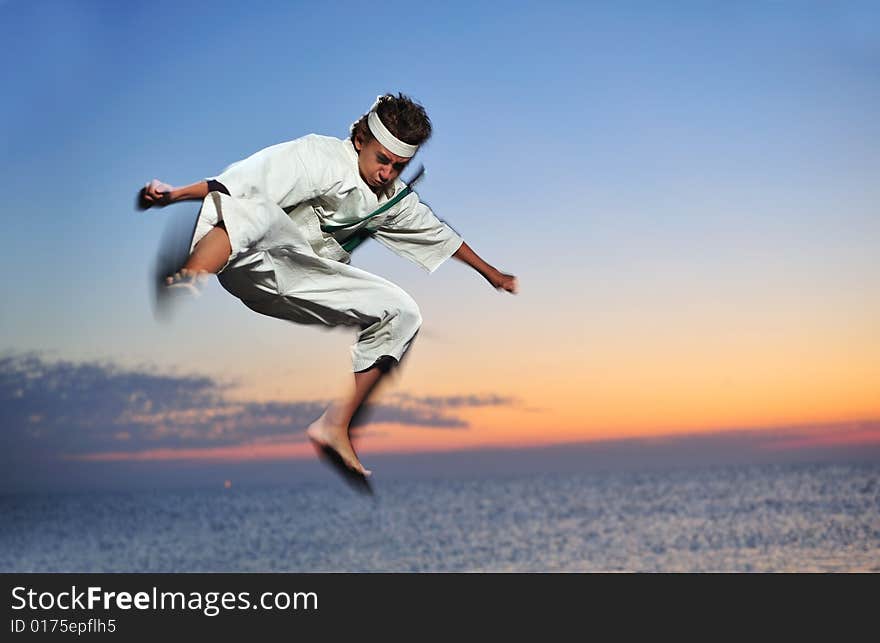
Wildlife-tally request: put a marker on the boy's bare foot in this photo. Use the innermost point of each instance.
(329, 435)
(183, 285)
(189, 281)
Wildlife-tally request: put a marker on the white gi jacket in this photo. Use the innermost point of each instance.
(315, 180)
(283, 265)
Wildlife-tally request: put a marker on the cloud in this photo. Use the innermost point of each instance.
(434, 412)
(65, 423)
(78, 407)
(457, 401)
(70, 409)
(412, 415)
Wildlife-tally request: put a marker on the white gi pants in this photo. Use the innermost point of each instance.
(275, 271)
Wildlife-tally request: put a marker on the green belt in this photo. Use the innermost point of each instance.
(356, 240)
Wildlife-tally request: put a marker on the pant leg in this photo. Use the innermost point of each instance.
(250, 224)
(299, 286)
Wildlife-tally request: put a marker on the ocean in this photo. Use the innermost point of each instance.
(768, 518)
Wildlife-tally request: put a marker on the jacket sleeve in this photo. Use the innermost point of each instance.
(281, 173)
(414, 232)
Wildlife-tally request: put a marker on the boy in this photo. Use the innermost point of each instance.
(278, 227)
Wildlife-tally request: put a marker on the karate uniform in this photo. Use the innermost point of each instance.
(283, 263)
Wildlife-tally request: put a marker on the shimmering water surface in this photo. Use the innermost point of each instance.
(767, 518)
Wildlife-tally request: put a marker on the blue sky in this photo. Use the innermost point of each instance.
(642, 167)
(671, 123)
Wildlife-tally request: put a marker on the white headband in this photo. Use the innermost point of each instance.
(389, 140)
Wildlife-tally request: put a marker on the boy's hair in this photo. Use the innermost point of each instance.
(403, 117)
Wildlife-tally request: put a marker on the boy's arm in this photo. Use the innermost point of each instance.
(498, 279)
(161, 194)
(416, 233)
(157, 193)
(280, 173)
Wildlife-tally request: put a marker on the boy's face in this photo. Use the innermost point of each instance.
(378, 166)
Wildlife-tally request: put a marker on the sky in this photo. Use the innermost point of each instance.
(686, 192)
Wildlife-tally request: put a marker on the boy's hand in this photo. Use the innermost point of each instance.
(502, 281)
(154, 193)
